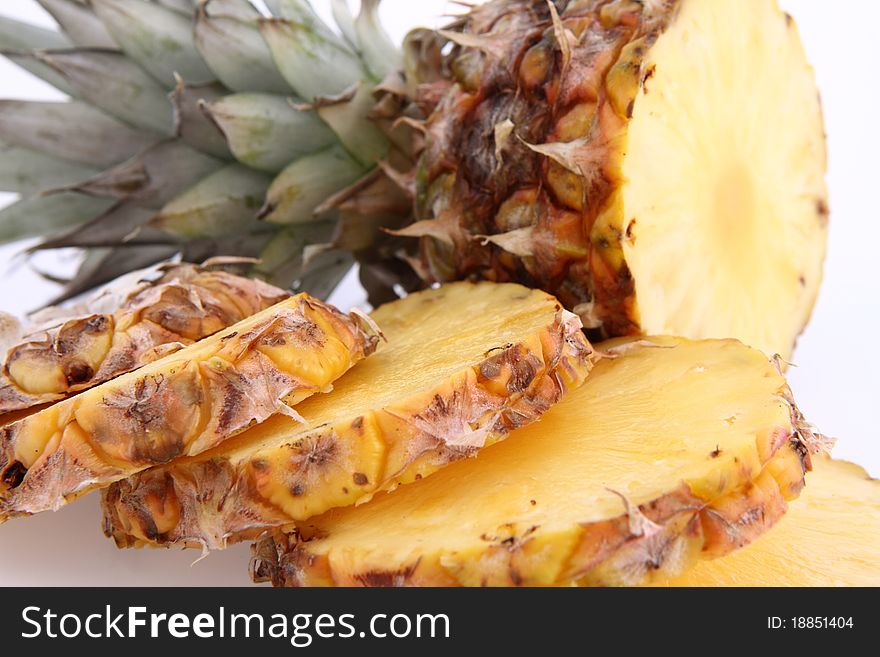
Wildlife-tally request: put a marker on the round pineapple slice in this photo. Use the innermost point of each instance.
(182, 404)
(829, 537)
(671, 450)
(659, 166)
(463, 365)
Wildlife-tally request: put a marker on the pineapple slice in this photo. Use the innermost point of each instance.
(659, 166)
(463, 364)
(671, 450)
(829, 537)
(183, 304)
(182, 404)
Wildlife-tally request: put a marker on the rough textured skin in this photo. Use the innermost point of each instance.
(180, 405)
(222, 499)
(538, 187)
(522, 166)
(185, 303)
(661, 538)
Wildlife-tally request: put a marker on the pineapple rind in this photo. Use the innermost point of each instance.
(828, 537)
(186, 303)
(179, 405)
(568, 166)
(732, 495)
(224, 498)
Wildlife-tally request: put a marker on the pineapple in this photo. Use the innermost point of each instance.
(166, 310)
(658, 165)
(672, 449)
(179, 405)
(202, 127)
(426, 398)
(594, 148)
(829, 537)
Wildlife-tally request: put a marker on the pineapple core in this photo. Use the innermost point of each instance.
(697, 434)
(726, 154)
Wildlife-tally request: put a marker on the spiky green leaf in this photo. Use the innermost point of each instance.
(374, 44)
(344, 21)
(71, 131)
(121, 223)
(348, 117)
(110, 81)
(157, 38)
(265, 131)
(154, 177)
(191, 123)
(18, 39)
(221, 204)
(227, 36)
(282, 258)
(313, 63)
(25, 171)
(79, 23)
(42, 215)
(306, 183)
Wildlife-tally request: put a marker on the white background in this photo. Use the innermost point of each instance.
(838, 357)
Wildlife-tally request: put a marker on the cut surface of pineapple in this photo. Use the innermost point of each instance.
(463, 365)
(660, 169)
(671, 450)
(182, 404)
(830, 536)
(182, 303)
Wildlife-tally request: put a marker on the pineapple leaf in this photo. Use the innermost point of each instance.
(113, 83)
(122, 223)
(224, 203)
(378, 51)
(306, 183)
(324, 272)
(154, 177)
(313, 63)
(282, 257)
(41, 215)
(103, 265)
(344, 21)
(348, 116)
(265, 132)
(71, 131)
(78, 22)
(18, 38)
(27, 172)
(155, 37)
(230, 42)
(192, 124)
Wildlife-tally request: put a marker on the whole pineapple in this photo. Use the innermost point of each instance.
(656, 164)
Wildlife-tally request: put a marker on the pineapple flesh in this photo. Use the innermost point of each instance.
(182, 404)
(829, 537)
(671, 450)
(659, 166)
(185, 303)
(462, 366)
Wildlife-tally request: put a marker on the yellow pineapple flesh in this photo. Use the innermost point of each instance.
(670, 451)
(463, 365)
(182, 404)
(659, 166)
(829, 537)
(184, 303)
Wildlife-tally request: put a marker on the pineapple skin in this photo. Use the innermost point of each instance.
(606, 553)
(211, 503)
(828, 537)
(185, 304)
(180, 405)
(723, 511)
(541, 203)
